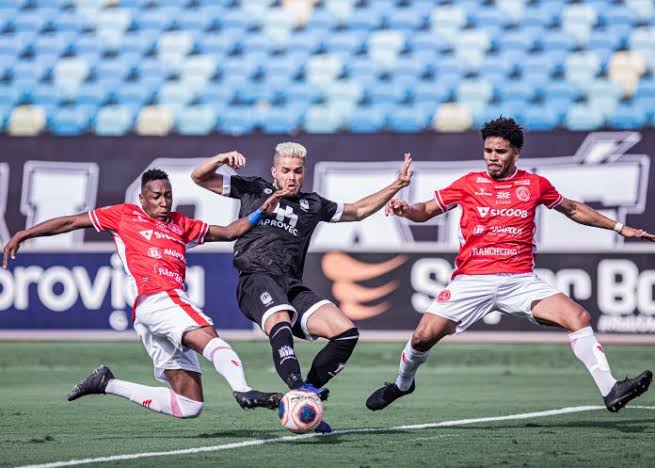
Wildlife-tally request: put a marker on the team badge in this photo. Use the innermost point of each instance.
(153, 252)
(266, 298)
(523, 193)
(443, 296)
(304, 204)
(268, 191)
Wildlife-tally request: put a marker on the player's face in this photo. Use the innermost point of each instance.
(156, 199)
(288, 173)
(500, 157)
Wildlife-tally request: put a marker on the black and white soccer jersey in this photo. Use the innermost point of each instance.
(279, 242)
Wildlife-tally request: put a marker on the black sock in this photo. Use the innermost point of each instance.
(332, 358)
(284, 357)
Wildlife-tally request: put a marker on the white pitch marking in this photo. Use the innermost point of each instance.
(250, 443)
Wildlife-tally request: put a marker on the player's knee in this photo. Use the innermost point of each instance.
(347, 339)
(581, 319)
(424, 338)
(188, 408)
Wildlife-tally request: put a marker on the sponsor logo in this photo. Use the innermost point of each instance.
(339, 368)
(443, 296)
(482, 192)
(175, 254)
(522, 182)
(146, 403)
(266, 298)
(304, 204)
(515, 231)
(523, 193)
(153, 252)
(346, 272)
(503, 186)
(482, 180)
(282, 214)
(286, 352)
(165, 272)
(147, 233)
(162, 235)
(504, 212)
(478, 229)
(494, 252)
(175, 228)
(502, 197)
(268, 191)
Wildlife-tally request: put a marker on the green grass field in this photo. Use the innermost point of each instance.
(38, 425)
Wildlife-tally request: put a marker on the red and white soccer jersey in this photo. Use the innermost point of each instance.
(498, 220)
(153, 252)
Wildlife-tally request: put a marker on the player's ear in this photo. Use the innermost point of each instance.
(141, 197)
(273, 171)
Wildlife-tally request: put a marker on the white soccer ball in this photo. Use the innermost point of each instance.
(300, 411)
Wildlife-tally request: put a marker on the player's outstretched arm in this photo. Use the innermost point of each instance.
(584, 214)
(205, 173)
(239, 227)
(418, 212)
(46, 228)
(369, 205)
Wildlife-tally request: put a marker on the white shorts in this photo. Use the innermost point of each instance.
(468, 298)
(160, 320)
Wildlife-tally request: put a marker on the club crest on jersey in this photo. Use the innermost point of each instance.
(443, 296)
(266, 298)
(304, 204)
(268, 191)
(153, 252)
(147, 233)
(523, 193)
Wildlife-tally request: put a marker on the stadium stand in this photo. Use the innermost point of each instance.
(196, 66)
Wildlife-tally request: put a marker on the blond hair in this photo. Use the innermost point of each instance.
(290, 149)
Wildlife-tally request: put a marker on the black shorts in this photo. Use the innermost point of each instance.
(260, 295)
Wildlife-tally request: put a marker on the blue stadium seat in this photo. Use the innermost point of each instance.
(410, 119)
(366, 119)
(34, 20)
(558, 40)
(237, 120)
(133, 93)
(153, 67)
(363, 69)
(237, 18)
(488, 16)
(200, 18)
(217, 94)
(544, 14)
(93, 93)
(46, 95)
(427, 40)
(55, 44)
(407, 18)
(217, 43)
(323, 119)
(542, 117)
(117, 68)
(517, 89)
(196, 120)
(141, 41)
(367, 18)
(280, 120)
(70, 120)
(385, 91)
(523, 39)
(253, 91)
(346, 41)
(157, 18)
(618, 15)
(114, 120)
(629, 117)
(561, 89)
(432, 91)
(581, 117)
(12, 44)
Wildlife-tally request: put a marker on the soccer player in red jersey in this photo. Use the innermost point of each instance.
(494, 266)
(151, 241)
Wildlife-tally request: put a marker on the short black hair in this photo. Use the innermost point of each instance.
(153, 174)
(506, 128)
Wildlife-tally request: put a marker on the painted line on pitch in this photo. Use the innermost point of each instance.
(251, 443)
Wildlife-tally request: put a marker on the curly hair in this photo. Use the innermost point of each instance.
(506, 128)
(153, 174)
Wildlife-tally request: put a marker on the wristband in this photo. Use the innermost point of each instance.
(618, 226)
(255, 216)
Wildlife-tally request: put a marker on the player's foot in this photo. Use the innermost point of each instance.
(322, 392)
(625, 390)
(323, 428)
(257, 399)
(95, 383)
(384, 396)
(294, 381)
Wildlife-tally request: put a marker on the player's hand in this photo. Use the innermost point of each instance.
(271, 202)
(405, 173)
(234, 159)
(629, 232)
(11, 248)
(396, 207)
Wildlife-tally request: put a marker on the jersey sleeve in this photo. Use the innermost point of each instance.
(330, 211)
(449, 197)
(549, 195)
(237, 186)
(107, 218)
(194, 231)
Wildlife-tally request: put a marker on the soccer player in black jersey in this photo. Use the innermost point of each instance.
(270, 259)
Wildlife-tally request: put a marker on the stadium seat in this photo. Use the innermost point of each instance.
(26, 121)
(237, 120)
(411, 119)
(644, 9)
(581, 117)
(625, 68)
(512, 9)
(196, 120)
(175, 95)
(366, 119)
(542, 118)
(581, 67)
(618, 14)
(70, 120)
(155, 120)
(517, 89)
(386, 91)
(114, 120)
(453, 117)
(280, 120)
(628, 117)
(323, 119)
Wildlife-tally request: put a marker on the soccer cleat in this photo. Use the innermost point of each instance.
(625, 390)
(256, 399)
(322, 392)
(95, 383)
(384, 396)
(323, 428)
(294, 381)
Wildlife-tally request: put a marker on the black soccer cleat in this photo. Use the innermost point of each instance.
(256, 399)
(384, 396)
(95, 383)
(294, 381)
(625, 390)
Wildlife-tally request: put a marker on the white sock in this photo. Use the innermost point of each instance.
(227, 363)
(409, 362)
(588, 350)
(159, 399)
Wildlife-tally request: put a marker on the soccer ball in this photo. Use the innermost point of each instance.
(300, 411)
